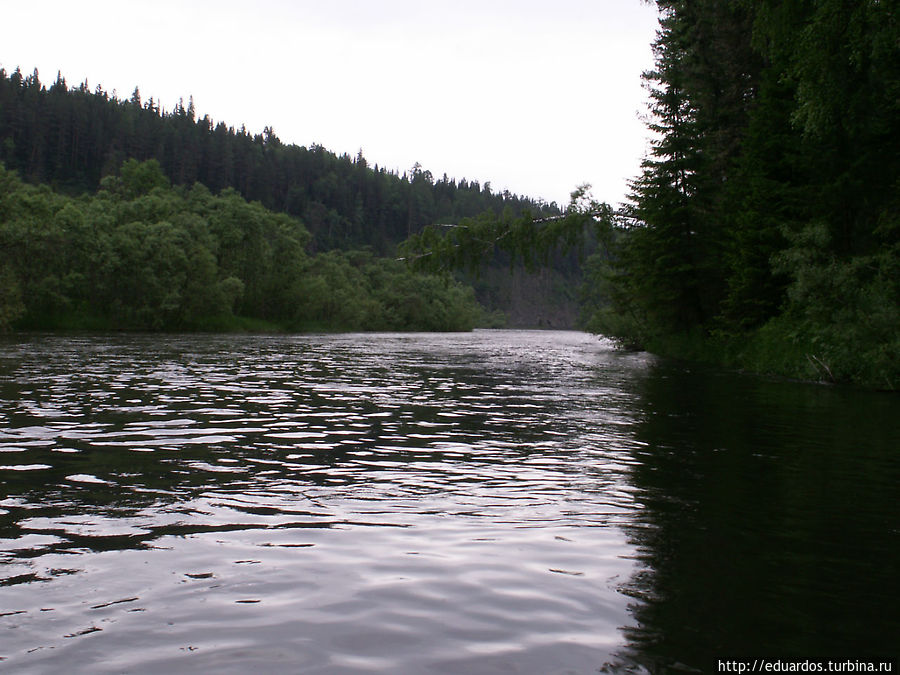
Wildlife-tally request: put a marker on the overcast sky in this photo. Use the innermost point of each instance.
(536, 97)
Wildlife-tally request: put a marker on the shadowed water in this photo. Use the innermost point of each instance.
(500, 501)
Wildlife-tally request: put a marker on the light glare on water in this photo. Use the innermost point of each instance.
(493, 502)
(368, 503)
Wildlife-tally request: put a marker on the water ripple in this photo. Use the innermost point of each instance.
(353, 502)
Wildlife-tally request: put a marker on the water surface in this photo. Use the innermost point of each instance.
(500, 501)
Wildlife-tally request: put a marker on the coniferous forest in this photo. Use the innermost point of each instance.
(768, 213)
(119, 215)
(764, 229)
(72, 137)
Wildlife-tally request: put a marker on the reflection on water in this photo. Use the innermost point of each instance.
(501, 501)
(369, 503)
(769, 520)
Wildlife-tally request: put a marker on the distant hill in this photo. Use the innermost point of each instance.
(70, 137)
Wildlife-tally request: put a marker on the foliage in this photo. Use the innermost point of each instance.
(763, 229)
(141, 254)
(524, 238)
(766, 215)
(11, 306)
(76, 139)
(73, 137)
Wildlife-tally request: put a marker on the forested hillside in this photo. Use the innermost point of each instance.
(764, 229)
(71, 137)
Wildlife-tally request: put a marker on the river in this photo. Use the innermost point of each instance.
(486, 502)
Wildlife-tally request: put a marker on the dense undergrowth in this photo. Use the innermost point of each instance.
(140, 254)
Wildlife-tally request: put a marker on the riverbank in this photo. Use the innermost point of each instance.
(226, 325)
(783, 349)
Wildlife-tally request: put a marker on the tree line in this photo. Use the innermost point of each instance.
(72, 137)
(764, 229)
(142, 254)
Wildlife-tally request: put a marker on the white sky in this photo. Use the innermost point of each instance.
(535, 96)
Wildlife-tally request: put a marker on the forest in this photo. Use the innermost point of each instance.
(309, 243)
(763, 232)
(142, 254)
(72, 137)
